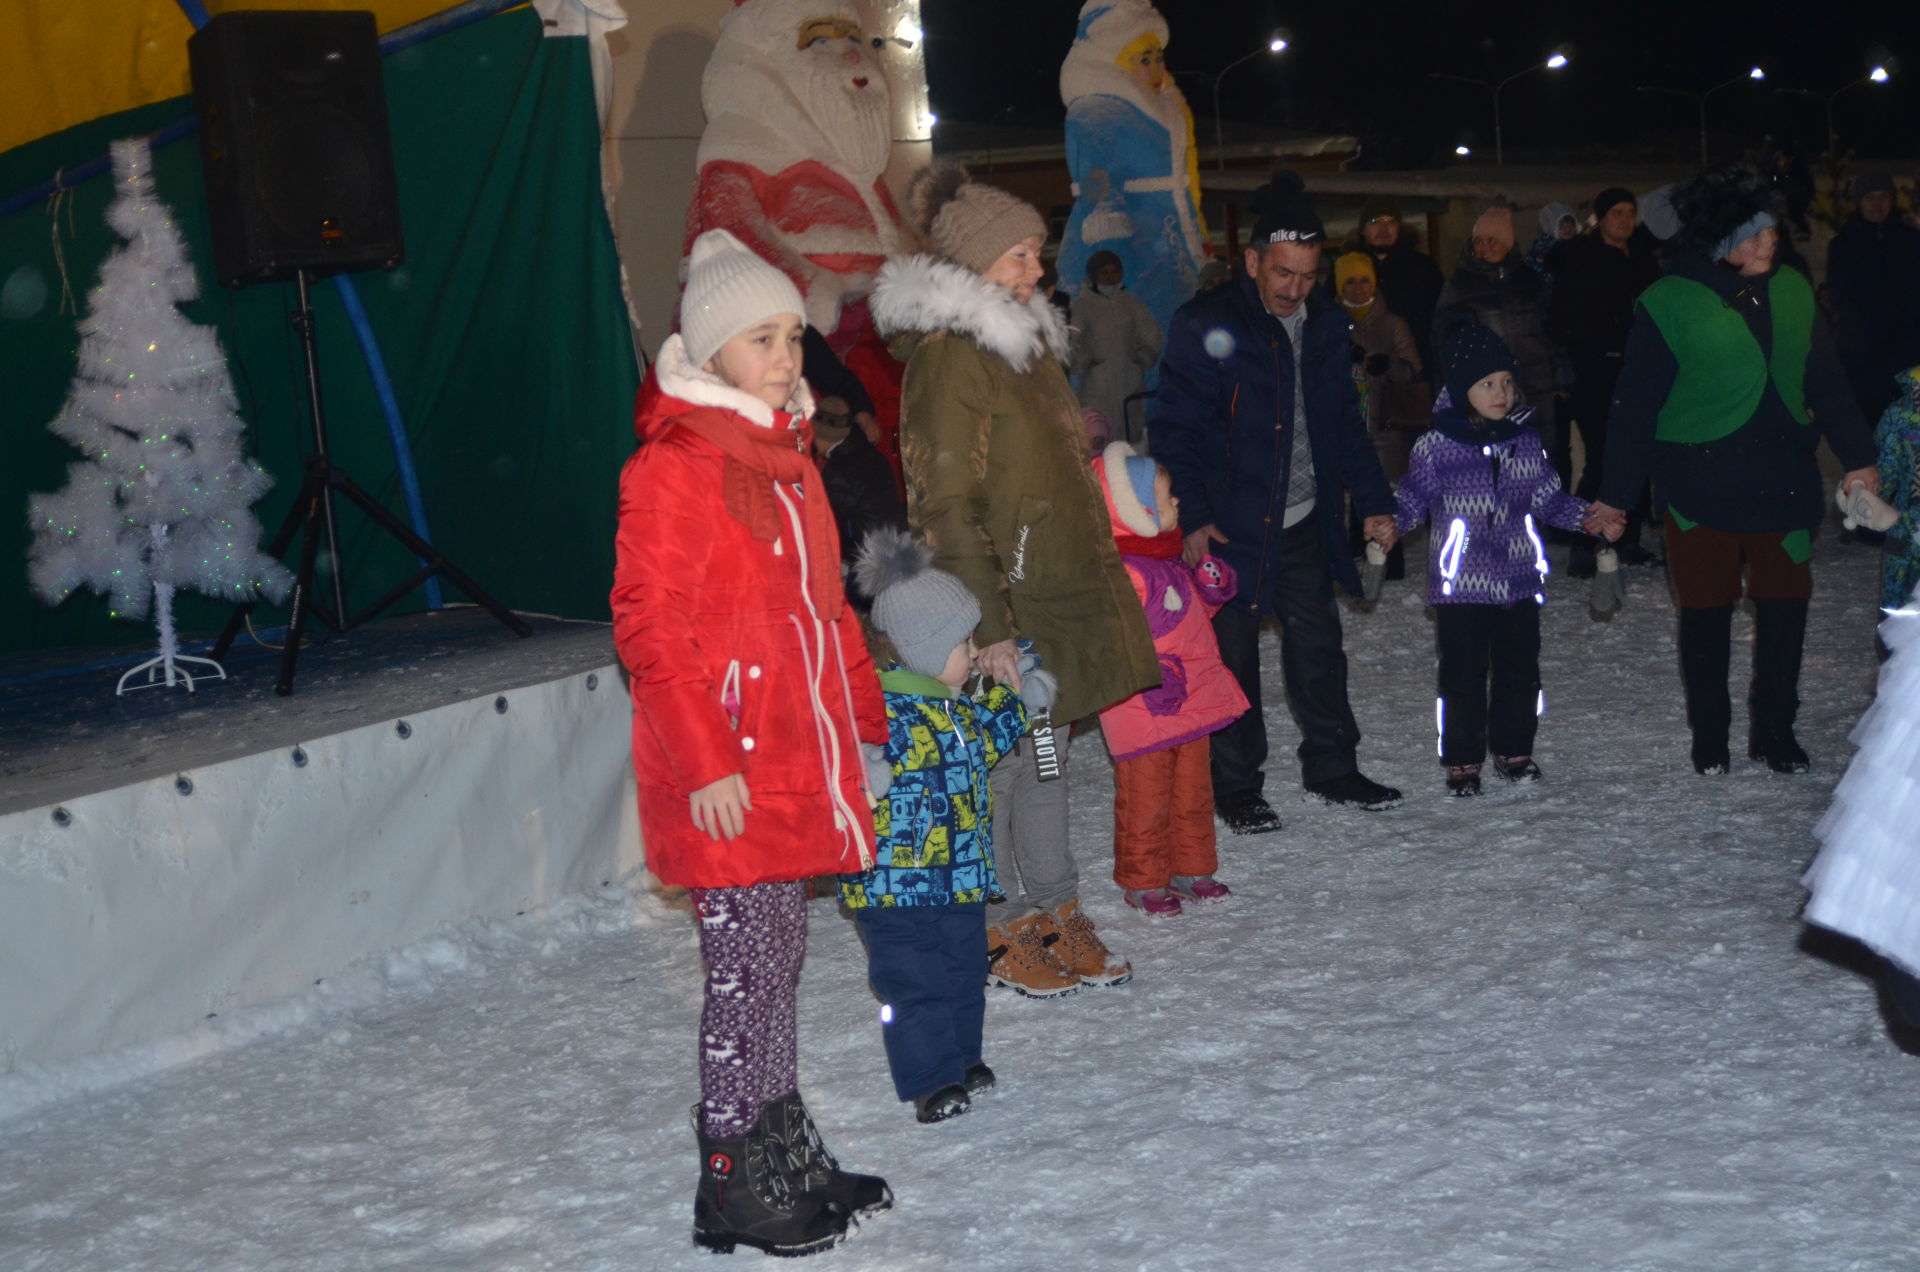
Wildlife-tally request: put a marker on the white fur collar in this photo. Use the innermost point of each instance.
(1088, 75)
(681, 379)
(926, 294)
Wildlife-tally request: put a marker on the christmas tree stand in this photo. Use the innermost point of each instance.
(312, 516)
(170, 657)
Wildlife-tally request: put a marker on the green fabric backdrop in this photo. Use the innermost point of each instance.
(505, 336)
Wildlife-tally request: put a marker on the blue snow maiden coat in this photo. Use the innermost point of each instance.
(1130, 152)
(1222, 421)
(934, 825)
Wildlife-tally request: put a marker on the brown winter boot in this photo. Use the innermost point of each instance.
(1079, 947)
(1017, 960)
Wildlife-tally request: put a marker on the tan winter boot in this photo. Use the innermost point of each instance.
(1016, 960)
(1080, 948)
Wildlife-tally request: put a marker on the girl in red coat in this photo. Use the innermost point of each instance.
(753, 697)
(1163, 840)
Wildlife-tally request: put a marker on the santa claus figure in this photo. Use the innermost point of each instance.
(1136, 178)
(797, 139)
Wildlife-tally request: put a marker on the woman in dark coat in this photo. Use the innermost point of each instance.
(1496, 288)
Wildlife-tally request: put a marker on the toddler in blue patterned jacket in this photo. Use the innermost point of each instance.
(922, 907)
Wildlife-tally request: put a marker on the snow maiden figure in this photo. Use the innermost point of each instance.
(799, 132)
(1130, 150)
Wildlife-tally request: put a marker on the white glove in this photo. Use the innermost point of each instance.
(1039, 690)
(1861, 507)
(879, 770)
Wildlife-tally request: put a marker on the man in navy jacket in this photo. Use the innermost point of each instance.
(1245, 365)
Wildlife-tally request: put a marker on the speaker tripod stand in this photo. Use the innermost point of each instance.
(313, 516)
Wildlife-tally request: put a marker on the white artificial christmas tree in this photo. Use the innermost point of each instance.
(162, 499)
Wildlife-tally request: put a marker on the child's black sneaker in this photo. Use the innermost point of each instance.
(1517, 768)
(1463, 779)
(978, 1078)
(949, 1101)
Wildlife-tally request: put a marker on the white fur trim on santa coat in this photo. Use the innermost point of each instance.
(925, 293)
(681, 379)
(1126, 501)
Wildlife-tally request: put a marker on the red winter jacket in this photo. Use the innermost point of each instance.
(733, 670)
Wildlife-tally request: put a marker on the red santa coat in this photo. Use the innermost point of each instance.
(796, 149)
(733, 667)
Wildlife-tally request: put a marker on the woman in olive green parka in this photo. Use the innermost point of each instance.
(998, 483)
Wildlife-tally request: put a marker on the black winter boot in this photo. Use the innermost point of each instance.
(858, 1195)
(752, 1193)
(1704, 638)
(1773, 699)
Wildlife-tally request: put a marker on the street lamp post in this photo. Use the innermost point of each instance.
(1554, 62)
(1878, 75)
(1700, 100)
(1277, 43)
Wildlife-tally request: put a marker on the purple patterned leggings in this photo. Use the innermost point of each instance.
(752, 940)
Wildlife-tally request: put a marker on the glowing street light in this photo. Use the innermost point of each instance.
(1878, 75)
(1276, 43)
(1556, 60)
(1462, 151)
(1700, 99)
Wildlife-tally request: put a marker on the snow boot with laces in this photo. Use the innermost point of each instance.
(1069, 933)
(1018, 960)
(752, 1193)
(858, 1195)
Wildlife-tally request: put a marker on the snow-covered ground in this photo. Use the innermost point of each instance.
(1563, 1027)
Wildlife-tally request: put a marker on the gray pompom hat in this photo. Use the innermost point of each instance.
(926, 613)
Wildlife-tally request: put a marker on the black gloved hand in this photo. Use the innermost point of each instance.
(1378, 363)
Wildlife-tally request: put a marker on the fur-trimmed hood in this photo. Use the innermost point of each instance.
(918, 296)
(677, 379)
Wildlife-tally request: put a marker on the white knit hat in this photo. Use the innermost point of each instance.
(728, 290)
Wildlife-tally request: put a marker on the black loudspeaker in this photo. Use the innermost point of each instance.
(293, 137)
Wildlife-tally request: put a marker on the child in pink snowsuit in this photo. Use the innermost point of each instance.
(1163, 838)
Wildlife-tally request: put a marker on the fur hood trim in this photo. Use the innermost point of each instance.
(679, 378)
(1122, 501)
(925, 294)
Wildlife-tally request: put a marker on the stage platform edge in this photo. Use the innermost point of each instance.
(133, 913)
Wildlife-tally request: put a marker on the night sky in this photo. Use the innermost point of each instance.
(1362, 69)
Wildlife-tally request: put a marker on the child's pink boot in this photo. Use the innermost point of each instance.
(1153, 900)
(1199, 888)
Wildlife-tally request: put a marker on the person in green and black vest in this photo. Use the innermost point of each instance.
(1730, 380)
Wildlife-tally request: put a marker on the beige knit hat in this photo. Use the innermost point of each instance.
(1496, 223)
(728, 290)
(970, 224)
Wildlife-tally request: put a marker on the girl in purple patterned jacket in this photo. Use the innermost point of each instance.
(1482, 476)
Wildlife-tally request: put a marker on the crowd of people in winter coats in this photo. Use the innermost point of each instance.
(858, 649)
